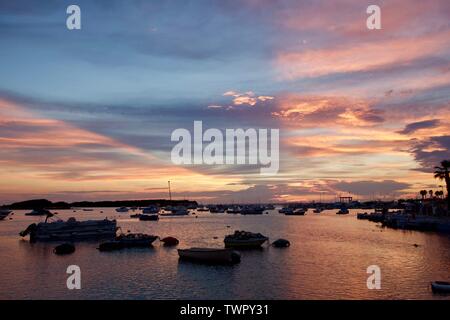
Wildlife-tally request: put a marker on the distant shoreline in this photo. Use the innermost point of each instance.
(46, 204)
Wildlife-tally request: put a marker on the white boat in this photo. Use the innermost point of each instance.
(122, 209)
(71, 230)
(440, 287)
(210, 255)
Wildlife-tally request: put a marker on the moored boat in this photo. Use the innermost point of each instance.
(286, 210)
(38, 212)
(148, 217)
(343, 210)
(150, 210)
(71, 230)
(244, 239)
(129, 240)
(122, 210)
(440, 287)
(210, 255)
(298, 212)
(4, 213)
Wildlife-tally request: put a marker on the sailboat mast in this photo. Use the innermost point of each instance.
(170, 193)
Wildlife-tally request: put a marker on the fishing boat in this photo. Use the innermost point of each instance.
(148, 217)
(210, 255)
(440, 287)
(70, 230)
(244, 239)
(286, 210)
(129, 240)
(122, 210)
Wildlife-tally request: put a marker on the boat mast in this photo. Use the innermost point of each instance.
(170, 193)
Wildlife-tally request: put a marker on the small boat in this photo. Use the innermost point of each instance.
(440, 287)
(38, 212)
(317, 210)
(170, 241)
(233, 210)
(298, 212)
(202, 209)
(71, 230)
(343, 211)
(210, 255)
(216, 209)
(4, 213)
(148, 217)
(176, 211)
(286, 210)
(244, 239)
(129, 240)
(281, 243)
(136, 215)
(88, 209)
(122, 209)
(150, 210)
(252, 210)
(65, 248)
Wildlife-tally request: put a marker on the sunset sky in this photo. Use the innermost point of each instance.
(87, 114)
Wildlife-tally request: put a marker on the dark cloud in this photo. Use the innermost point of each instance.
(413, 127)
(368, 188)
(430, 152)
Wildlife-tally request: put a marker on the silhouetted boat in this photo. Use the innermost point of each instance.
(38, 212)
(148, 217)
(244, 239)
(122, 209)
(210, 255)
(298, 212)
(343, 210)
(129, 240)
(286, 210)
(150, 210)
(440, 286)
(71, 230)
(4, 213)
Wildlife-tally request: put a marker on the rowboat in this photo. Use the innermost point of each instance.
(210, 255)
(244, 240)
(440, 287)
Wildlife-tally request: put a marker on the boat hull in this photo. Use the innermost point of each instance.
(440, 287)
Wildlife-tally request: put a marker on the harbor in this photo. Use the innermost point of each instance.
(327, 259)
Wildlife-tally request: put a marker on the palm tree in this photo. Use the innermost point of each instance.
(430, 193)
(423, 193)
(443, 173)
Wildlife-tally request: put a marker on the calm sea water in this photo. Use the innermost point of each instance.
(328, 258)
